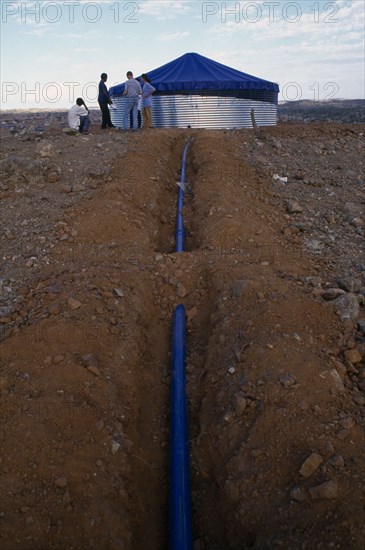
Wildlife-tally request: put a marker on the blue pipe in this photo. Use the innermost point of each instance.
(180, 233)
(181, 534)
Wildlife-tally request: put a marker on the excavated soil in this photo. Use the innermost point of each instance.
(273, 282)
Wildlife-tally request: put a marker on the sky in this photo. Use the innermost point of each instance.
(54, 51)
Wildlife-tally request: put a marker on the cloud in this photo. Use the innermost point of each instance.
(338, 18)
(44, 12)
(39, 31)
(87, 50)
(166, 9)
(169, 36)
(77, 36)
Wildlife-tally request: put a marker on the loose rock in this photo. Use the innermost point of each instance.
(337, 461)
(347, 306)
(61, 482)
(337, 381)
(240, 404)
(332, 293)
(327, 490)
(353, 356)
(293, 207)
(288, 380)
(298, 494)
(74, 304)
(311, 464)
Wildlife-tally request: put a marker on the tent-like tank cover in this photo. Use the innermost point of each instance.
(193, 72)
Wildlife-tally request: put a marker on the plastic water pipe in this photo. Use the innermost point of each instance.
(181, 536)
(180, 234)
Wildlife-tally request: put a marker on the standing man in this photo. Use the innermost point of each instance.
(104, 100)
(132, 89)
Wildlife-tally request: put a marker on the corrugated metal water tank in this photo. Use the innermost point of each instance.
(196, 111)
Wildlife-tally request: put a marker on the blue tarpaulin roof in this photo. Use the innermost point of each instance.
(192, 72)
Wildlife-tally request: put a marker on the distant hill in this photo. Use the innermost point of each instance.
(337, 110)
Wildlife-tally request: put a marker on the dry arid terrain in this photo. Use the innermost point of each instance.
(273, 282)
(335, 110)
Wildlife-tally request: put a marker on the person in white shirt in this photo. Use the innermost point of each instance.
(78, 117)
(147, 91)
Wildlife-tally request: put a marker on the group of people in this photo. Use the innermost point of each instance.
(137, 98)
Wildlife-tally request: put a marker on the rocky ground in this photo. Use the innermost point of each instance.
(336, 110)
(273, 281)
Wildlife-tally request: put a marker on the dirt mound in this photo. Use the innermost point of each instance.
(273, 282)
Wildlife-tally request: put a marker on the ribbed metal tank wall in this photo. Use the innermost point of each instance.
(182, 111)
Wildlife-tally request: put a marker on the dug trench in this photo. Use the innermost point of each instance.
(86, 408)
(261, 394)
(91, 424)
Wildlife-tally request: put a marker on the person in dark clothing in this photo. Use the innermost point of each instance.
(104, 100)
